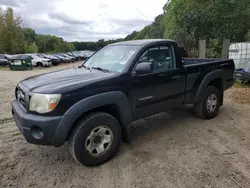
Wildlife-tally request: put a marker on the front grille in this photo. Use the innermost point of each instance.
(20, 96)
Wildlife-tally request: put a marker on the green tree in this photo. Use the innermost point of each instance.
(157, 28)
(64, 47)
(189, 21)
(29, 35)
(131, 36)
(32, 48)
(144, 33)
(1, 31)
(12, 38)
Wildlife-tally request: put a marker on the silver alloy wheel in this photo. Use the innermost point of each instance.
(99, 140)
(211, 103)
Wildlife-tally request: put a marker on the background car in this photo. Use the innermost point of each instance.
(39, 62)
(54, 60)
(3, 60)
(72, 59)
(66, 59)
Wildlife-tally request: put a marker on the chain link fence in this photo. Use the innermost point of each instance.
(240, 53)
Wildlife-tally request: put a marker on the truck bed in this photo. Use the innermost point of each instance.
(192, 61)
(196, 69)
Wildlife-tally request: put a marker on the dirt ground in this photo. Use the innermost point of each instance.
(171, 149)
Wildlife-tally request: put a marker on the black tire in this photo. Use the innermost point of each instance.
(201, 109)
(78, 136)
(39, 64)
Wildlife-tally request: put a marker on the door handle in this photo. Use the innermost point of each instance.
(176, 77)
(136, 81)
(163, 74)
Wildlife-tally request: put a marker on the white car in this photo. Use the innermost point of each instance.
(40, 62)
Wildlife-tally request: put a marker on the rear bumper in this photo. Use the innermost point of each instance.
(36, 129)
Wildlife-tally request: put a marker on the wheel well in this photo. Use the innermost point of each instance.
(111, 109)
(39, 63)
(217, 83)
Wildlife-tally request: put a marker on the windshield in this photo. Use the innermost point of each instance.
(36, 56)
(39, 55)
(111, 58)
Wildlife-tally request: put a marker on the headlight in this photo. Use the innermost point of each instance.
(43, 103)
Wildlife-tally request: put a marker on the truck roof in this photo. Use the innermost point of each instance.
(141, 42)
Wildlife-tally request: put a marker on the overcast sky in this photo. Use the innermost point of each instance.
(86, 20)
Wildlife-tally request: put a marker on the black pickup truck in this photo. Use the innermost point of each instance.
(91, 106)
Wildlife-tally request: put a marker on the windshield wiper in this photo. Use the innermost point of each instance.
(83, 67)
(101, 69)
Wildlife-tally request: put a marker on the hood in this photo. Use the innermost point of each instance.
(40, 59)
(43, 59)
(65, 80)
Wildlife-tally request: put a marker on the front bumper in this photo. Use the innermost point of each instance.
(36, 129)
(47, 64)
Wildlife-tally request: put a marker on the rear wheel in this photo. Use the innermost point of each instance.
(95, 139)
(210, 103)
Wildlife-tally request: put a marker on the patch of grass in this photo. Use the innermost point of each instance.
(241, 84)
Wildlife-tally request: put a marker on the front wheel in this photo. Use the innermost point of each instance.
(95, 139)
(210, 103)
(39, 64)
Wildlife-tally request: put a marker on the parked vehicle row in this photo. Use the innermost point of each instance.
(46, 60)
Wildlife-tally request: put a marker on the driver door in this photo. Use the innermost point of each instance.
(161, 89)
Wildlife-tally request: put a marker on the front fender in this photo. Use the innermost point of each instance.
(88, 104)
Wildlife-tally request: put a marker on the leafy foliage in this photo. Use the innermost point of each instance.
(11, 35)
(192, 20)
(32, 48)
(15, 39)
(64, 47)
(94, 45)
(188, 21)
(29, 35)
(153, 31)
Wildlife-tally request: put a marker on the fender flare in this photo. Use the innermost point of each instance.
(206, 80)
(77, 110)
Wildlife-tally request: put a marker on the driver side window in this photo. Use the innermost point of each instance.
(144, 57)
(161, 56)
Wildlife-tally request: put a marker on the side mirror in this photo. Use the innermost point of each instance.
(144, 68)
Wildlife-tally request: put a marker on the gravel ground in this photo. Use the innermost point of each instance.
(171, 149)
